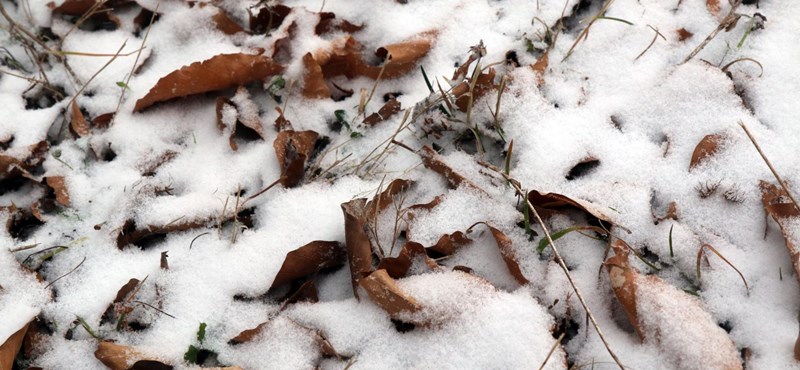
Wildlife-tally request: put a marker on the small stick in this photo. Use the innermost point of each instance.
(655, 37)
(552, 349)
(769, 164)
(730, 19)
(136, 61)
(70, 271)
(560, 261)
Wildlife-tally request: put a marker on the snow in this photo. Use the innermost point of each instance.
(640, 117)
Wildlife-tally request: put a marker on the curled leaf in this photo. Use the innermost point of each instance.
(583, 168)
(656, 309)
(205, 76)
(713, 7)
(550, 203)
(384, 291)
(239, 110)
(119, 357)
(683, 34)
(293, 149)
(402, 57)
(504, 244)
(225, 24)
(314, 86)
(706, 148)
(397, 267)
(78, 123)
(309, 259)
(58, 185)
(359, 248)
(449, 243)
(268, 18)
(11, 346)
(540, 67)
(778, 206)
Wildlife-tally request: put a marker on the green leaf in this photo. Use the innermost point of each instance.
(201, 332)
(122, 85)
(340, 115)
(425, 76)
(191, 354)
(356, 134)
(558, 234)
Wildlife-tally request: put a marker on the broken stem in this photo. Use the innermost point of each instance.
(769, 164)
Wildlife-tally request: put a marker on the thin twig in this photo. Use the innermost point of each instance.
(700, 254)
(135, 62)
(560, 261)
(70, 271)
(153, 307)
(585, 33)
(730, 19)
(769, 164)
(655, 37)
(552, 349)
(97, 73)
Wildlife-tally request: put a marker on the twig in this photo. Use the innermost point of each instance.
(197, 237)
(699, 258)
(97, 73)
(70, 271)
(769, 164)
(135, 62)
(153, 307)
(729, 20)
(585, 33)
(651, 42)
(560, 261)
(552, 349)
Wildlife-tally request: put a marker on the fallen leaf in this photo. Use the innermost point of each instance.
(131, 234)
(314, 86)
(329, 23)
(281, 123)
(359, 248)
(387, 110)
(713, 7)
(504, 244)
(164, 262)
(449, 243)
(345, 57)
(402, 57)
(80, 7)
(778, 206)
(78, 123)
(305, 293)
(293, 149)
(551, 203)
(484, 83)
(583, 168)
(103, 120)
(385, 292)
(386, 197)
(225, 23)
(239, 110)
(23, 158)
(309, 259)
(705, 149)
(11, 346)
(249, 334)
(397, 267)
(656, 309)
(126, 290)
(671, 214)
(59, 186)
(433, 161)
(118, 357)
(201, 77)
(540, 67)
(683, 34)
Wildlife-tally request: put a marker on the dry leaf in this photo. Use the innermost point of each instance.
(359, 248)
(281, 123)
(383, 290)
(328, 23)
(540, 67)
(683, 34)
(293, 149)
(309, 259)
(268, 18)
(671, 319)
(672, 213)
(11, 346)
(583, 168)
(78, 123)
(778, 205)
(385, 199)
(201, 77)
(484, 84)
(449, 243)
(118, 357)
(713, 7)
(131, 234)
(249, 334)
(345, 58)
(80, 7)
(551, 203)
(387, 110)
(24, 158)
(397, 267)
(314, 86)
(225, 23)
(402, 57)
(305, 293)
(432, 160)
(706, 148)
(58, 185)
(504, 244)
(239, 110)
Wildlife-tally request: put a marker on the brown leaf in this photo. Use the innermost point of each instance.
(78, 123)
(131, 234)
(550, 203)
(683, 34)
(314, 86)
(281, 123)
(24, 158)
(226, 24)
(655, 309)
(713, 7)
(80, 7)
(249, 334)
(164, 263)
(103, 120)
(583, 168)
(305, 293)
(504, 244)
(449, 243)
(383, 290)
(706, 148)
(385, 198)
(359, 248)
(201, 77)
(328, 23)
(58, 185)
(402, 57)
(432, 160)
(484, 84)
(397, 267)
(118, 357)
(239, 110)
(540, 67)
(778, 206)
(671, 214)
(387, 110)
(293, 148)
(309, 259)
(11, 346)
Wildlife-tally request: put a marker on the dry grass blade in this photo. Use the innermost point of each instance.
(729, 20)
(725, 67)
(136, 61)
(699, 258)
(560, 261)
(769, 164)
(552, 349)
(655, 37)
(117, 54)
(585, 33)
